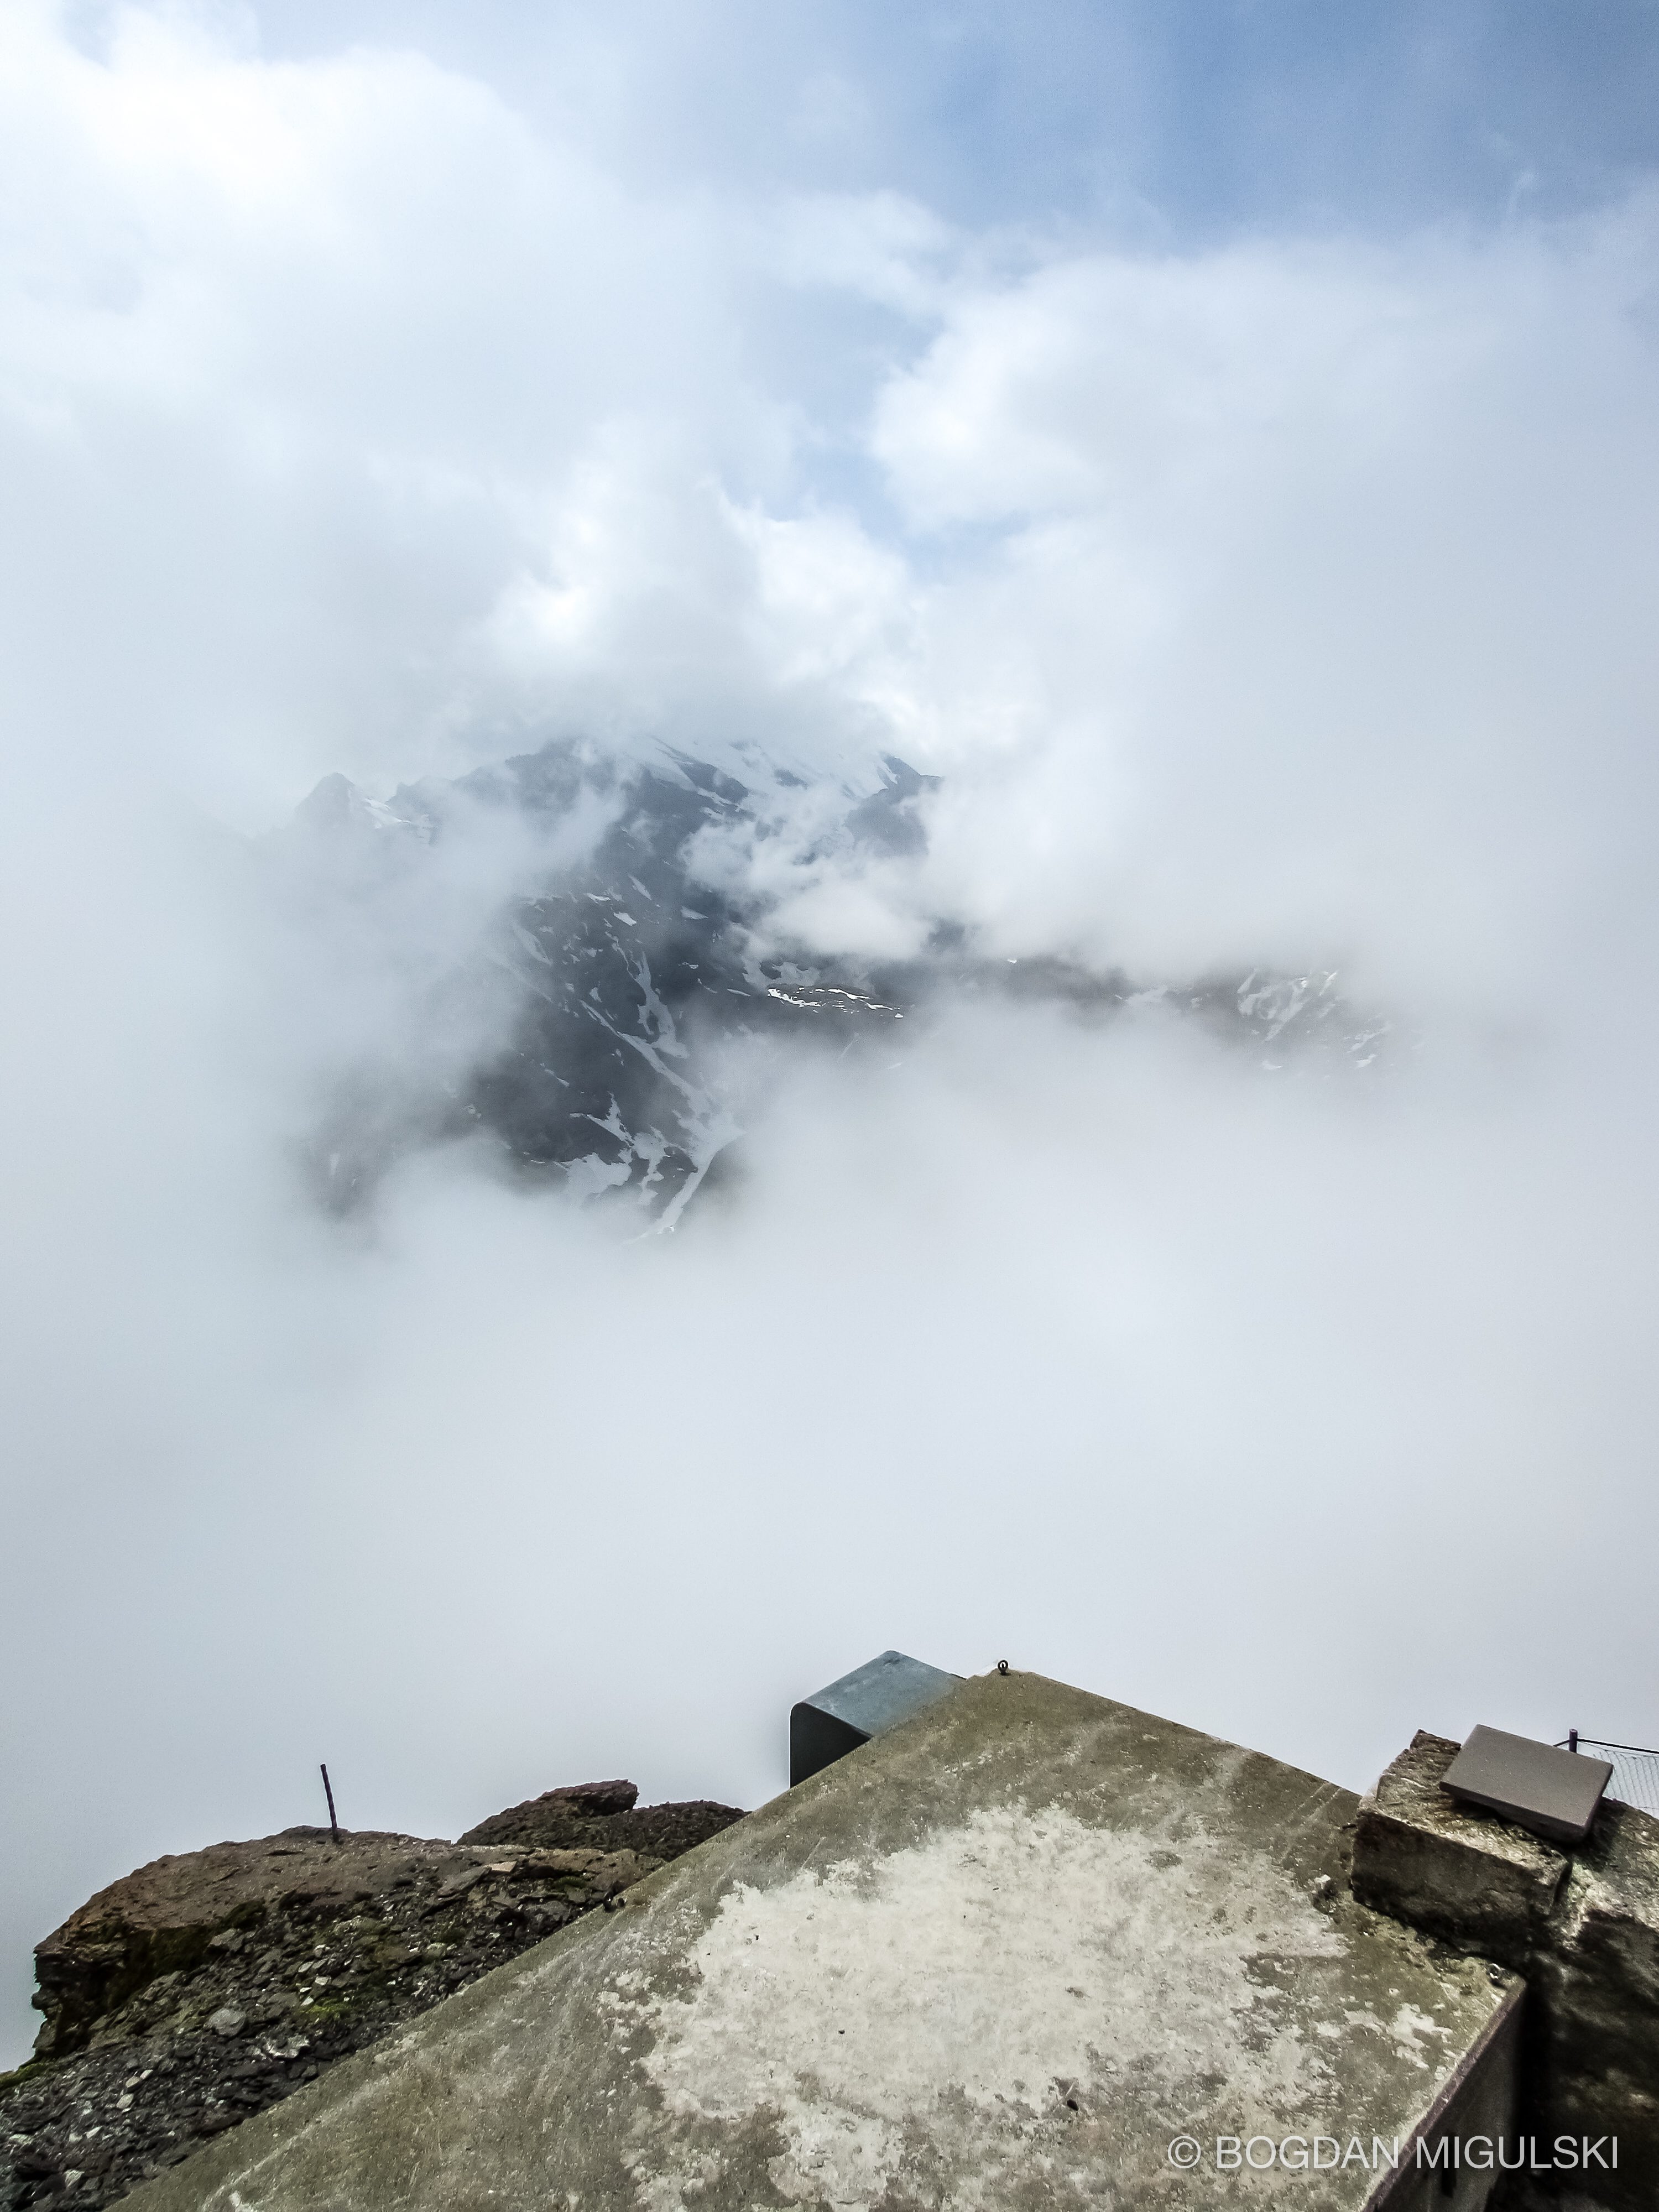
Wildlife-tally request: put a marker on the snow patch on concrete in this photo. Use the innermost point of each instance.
(935, 2009)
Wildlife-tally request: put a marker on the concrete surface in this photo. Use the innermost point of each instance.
(996, 1958)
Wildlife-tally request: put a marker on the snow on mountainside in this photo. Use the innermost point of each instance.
(575, 981)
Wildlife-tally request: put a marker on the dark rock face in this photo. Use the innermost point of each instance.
(210, 1984)
(613, 979)
(147, 1932)
(625, 967)
(576, 1801)
(598, 1816)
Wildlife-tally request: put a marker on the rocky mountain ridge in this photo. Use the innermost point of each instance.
(617, 969)
(641, 942)
(209, 1985)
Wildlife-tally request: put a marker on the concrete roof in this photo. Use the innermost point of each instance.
(996, 1957)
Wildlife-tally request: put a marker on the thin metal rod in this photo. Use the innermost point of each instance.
(1572, 1738)
(333, 1825)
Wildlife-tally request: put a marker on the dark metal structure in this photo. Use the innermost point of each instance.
(835, 1720)
(1635, 1769)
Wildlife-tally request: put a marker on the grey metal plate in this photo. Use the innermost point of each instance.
(1549, 1792)
(887, 1690)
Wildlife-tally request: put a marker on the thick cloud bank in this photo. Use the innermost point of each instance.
(1269, 599)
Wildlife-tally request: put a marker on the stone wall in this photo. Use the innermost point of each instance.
(1581, 1926)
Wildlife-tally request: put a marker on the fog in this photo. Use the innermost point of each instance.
(1267, 574)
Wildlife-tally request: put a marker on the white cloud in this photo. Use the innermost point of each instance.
(309, 369)
(1313, 624)
(1273, 602)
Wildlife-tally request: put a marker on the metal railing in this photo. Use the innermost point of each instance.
(1635, 1768)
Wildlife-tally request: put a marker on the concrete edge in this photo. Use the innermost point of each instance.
(1504, 2020)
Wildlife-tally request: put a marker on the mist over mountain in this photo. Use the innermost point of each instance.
(966, 967)
(633, 984)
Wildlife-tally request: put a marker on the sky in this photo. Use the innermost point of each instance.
(1220, 442)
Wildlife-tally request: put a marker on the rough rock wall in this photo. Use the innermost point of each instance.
(1583, 1926)
(603, 1816)
(210, 1983)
